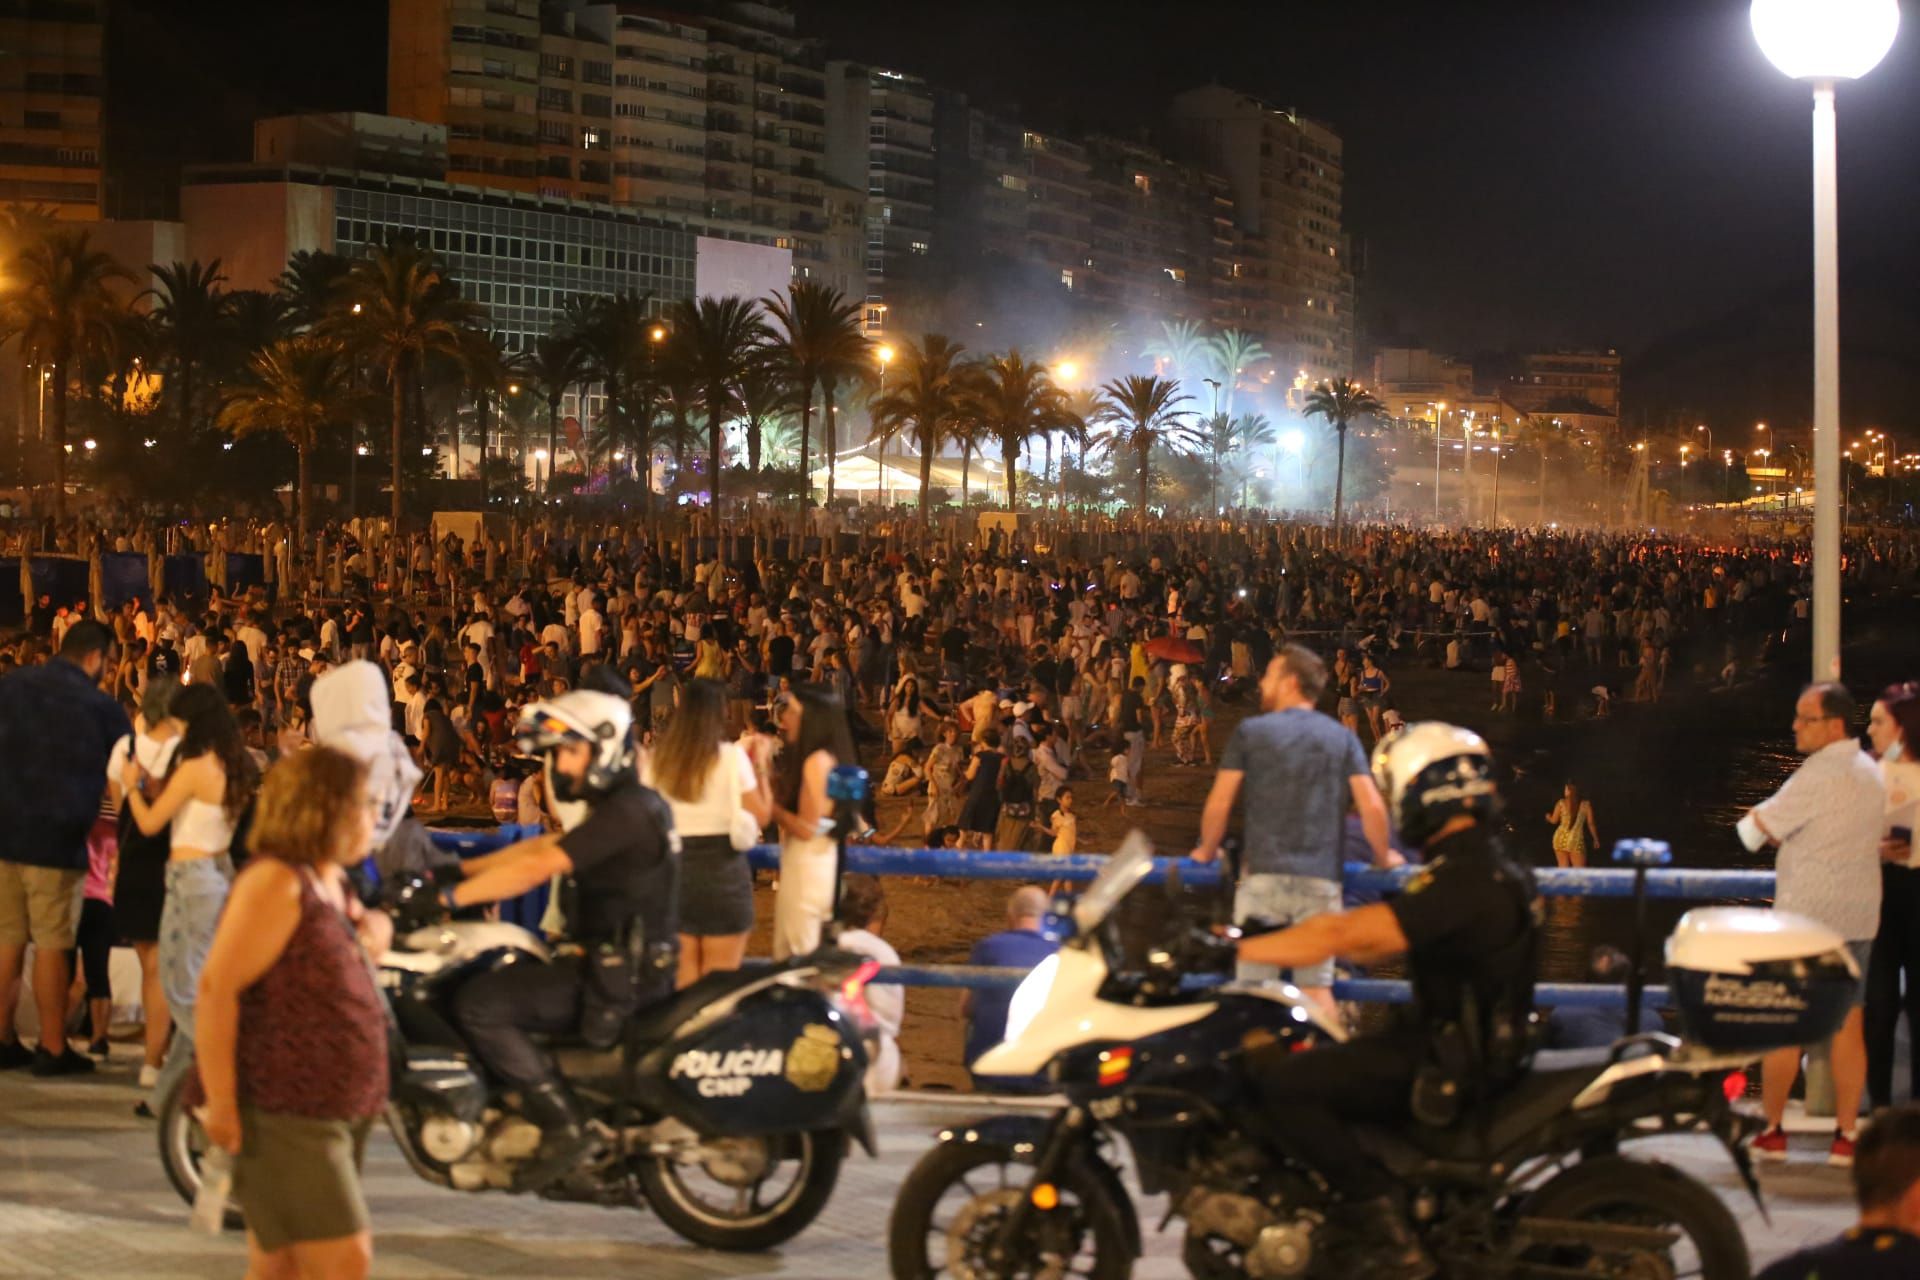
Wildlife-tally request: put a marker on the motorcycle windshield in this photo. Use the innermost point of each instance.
(1125, 869)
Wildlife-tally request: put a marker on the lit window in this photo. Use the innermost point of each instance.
(1013, 182)
(918, 246)
(1066, 277)
(1143, 184)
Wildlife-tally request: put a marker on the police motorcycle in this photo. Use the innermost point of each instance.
(1533, 1183)
(727, 1108)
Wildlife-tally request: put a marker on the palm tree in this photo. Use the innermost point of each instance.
(309, 285)
(253, 320)
(1180, 344)
(552, 366)
(923, 404)
(1014, 402)
(762, 396)
(398, 309)
(484, 365)
(190, 317)
(297, 388)
(718, 337)
(1340, 402)
(1233, 352)
(1225, 435)
(63, 310)
(818, 337)
(1141, 414)
(780, 442)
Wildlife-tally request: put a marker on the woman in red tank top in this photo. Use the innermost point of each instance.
(290, 1029)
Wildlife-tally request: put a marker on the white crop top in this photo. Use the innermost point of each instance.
(202, 826)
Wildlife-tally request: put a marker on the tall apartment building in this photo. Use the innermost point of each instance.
(880, 142)
(1011, 194)
(1286, 175)
(1568, 381)
(52, 80)
(714, 113)
(1162, 237)
(574, 117)
(473, 66)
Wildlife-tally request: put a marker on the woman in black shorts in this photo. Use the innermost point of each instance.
(707, 780)
(140, 883)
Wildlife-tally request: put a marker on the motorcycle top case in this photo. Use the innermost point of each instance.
(784, 1061)
(1749, 978)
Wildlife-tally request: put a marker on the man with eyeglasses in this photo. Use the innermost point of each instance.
(1826, 820)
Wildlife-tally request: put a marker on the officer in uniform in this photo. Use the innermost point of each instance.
(1468, 923)
(621, 863)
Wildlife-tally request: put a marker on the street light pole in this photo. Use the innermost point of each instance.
(1439, 411)
(1823, 42)
(1466, 469)
(1494, 522)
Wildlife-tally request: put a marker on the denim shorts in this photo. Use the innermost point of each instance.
(1286, 899)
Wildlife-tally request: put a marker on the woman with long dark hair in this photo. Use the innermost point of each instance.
(212, 779)
(706, 780)
(814, 724)
(140, 874)
(1894, 728)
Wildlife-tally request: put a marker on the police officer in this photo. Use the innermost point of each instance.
(621, 864)
(1468, 923)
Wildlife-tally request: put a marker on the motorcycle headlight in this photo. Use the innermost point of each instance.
(1029, 997)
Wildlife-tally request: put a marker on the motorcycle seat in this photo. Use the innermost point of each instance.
(657, 1021)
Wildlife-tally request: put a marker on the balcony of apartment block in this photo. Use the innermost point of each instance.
(679, 92)
(718, 123)
(801, 113)
(802, 86)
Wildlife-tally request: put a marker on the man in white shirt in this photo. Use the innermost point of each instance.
(1826, 820)
(863, 916)
(249, 634)
(593, 629)
(479, 633)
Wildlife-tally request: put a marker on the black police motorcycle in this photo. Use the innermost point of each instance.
(727, 1108)
(1532, 1183)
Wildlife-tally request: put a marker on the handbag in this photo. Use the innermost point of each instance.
(743, 830)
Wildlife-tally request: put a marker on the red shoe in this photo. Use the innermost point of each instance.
(1772, 1145)
(1840, 1154)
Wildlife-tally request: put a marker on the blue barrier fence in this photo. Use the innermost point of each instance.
(1361, 880)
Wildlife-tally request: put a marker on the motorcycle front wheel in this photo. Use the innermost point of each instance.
(1616, 1191)
(742, 1195)
(183, 1145)
(952, 1205)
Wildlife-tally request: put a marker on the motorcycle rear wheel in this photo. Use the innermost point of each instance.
(748, 1226)
(997, 1178)
(183, 1143)
(1614, 1189)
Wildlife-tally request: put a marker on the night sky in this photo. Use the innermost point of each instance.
(1523, 174)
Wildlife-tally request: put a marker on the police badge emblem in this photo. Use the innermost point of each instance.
(814, 1059)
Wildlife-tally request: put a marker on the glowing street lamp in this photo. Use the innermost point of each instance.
(1823, 41)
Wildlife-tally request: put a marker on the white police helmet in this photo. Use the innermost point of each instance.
(1432, 772)
(601, 720)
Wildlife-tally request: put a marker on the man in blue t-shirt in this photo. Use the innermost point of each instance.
(1886, 1183)
(1021, 945)
(1296, 772)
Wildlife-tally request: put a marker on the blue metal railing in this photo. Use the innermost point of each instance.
(1360, 879)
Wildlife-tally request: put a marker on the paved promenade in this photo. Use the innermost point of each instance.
(82, 1195)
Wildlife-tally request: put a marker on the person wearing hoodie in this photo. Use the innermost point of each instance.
(352, 712)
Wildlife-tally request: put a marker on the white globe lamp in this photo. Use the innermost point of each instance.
(1824, 41)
